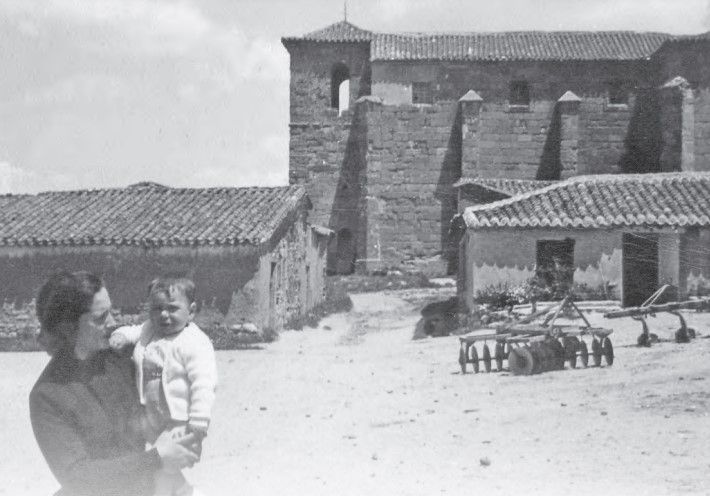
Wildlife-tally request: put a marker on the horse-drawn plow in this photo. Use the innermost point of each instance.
(528, 347)
(650, 308)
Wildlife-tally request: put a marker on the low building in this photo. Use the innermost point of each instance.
(625, 234)
(251, 252)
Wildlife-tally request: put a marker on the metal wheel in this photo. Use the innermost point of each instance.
(534, 349)
(559, 351)
(597, 352)
(563, 353)
(571, 344)
(521, 361)
(583, 354)
(545, 357)
(498, 355)
(486, 358)
(682, 335)
(608, 351)
(553, 356)
(462, 358)
(474, 359)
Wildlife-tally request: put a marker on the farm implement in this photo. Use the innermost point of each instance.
(531, 347)
(649, 308)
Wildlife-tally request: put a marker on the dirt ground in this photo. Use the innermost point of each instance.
(356, 407)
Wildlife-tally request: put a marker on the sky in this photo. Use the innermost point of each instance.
(194, 93)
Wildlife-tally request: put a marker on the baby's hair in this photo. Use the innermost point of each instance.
(166, 285)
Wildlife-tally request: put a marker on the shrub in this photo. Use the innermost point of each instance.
(19, 327)
(582, 291)
(498, 296)
(336, 300)
(501, 296)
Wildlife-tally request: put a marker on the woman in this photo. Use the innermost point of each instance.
(84, 407)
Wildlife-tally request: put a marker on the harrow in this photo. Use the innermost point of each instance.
(531, 348)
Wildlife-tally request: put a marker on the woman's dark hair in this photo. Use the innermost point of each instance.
(61, 300)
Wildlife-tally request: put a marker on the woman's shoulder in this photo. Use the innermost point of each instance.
(53, 379)
(57, 369)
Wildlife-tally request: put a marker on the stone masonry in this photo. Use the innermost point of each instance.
(381, 173)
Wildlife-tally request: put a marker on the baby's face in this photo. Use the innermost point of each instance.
(170, 313)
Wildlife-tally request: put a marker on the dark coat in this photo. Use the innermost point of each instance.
(85, 419)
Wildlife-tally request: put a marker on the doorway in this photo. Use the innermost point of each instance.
(639, 267)
(345, 252)
(555, 266)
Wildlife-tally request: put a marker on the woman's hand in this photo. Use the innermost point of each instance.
(174, 453)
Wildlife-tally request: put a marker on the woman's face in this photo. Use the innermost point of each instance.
(95, 326)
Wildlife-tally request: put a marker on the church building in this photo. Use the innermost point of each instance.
(395, 134)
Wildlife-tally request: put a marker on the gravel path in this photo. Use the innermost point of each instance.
(356, 407)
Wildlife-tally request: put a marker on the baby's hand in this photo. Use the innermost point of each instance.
(179, 432)
(184, 432)
(198, 428)
(117, 341)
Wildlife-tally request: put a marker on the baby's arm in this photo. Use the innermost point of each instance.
(201, 367)
(124, 336)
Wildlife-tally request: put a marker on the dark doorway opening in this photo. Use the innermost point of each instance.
(639, 267)
(555, 265)
(345, 252)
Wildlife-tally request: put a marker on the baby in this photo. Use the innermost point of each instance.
(176, 373)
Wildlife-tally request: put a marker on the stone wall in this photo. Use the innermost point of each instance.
(233, 284)
(326, 149)
(127, 271)
(496, 256)
(290, 280)
(524, 143)
(384, 171)
(413, 158)
(702, 128)
(690, 60)
(500, 256)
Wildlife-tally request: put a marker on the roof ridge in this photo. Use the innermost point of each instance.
(514, 198)
(531, 31)
(664, 198)
(513, 45)
(148, 216)
(359, 30)
(589, 178)
(139, 188)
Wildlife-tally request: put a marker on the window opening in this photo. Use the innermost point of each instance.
(422, 92)
(340, 88)
(618, 95)
(519, 94)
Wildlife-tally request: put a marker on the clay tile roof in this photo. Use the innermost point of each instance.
(342, 31)
(604, 201)
(523, 45)
(516, 45)
(147, 214)
(509, 187)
